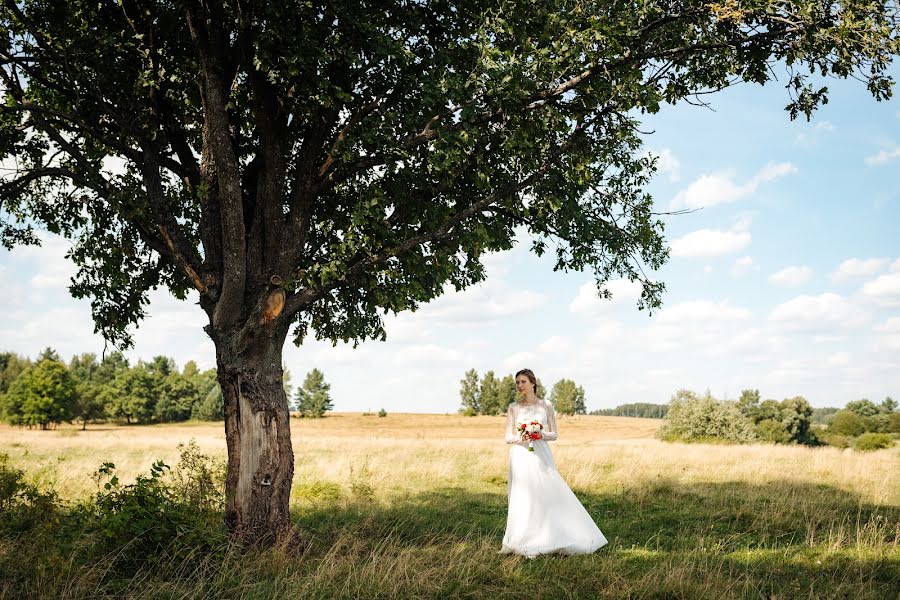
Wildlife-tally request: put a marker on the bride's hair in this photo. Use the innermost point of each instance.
(530, 375)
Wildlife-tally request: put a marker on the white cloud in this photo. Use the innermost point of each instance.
(743, 266)
(838, 359)
(710, 242)
(884, 290)
(822, 313)
(587, 301)
(555, 344)
(888, 334)
(667, 163)
(813, 133)
(853, 268)
(892, 325)
(791, 276)
(488, 301)
(720, 188)
(883, 157)
(427, 353)
(520, 360)
(703, 310)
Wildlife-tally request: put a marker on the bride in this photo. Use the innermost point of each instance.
(544, 515)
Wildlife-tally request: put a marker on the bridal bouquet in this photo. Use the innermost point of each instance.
(530, 432)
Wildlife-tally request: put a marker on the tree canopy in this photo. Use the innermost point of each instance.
(367, 154)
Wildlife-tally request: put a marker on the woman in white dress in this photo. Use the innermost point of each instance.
(544, 516)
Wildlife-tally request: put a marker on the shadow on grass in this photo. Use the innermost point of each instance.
(779, 539)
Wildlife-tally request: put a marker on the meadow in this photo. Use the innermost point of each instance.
(414, 506)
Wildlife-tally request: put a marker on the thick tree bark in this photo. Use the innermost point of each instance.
(258, 436)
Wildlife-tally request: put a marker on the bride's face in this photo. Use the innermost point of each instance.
(523, 384)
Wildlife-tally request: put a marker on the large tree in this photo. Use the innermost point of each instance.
(309, 166)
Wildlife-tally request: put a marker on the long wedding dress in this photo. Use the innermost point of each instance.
(544, 515)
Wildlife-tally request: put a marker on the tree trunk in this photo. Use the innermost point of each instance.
(258, 437)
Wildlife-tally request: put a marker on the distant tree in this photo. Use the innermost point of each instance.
(567, 397)
(894, 422)
(313, 399)
(822, 416)
(286, 380)
(767, 410)
(637, 409)
(693, 418)
(211, 407)
(190, 370)
(748, 400)
(888, 405)
(175, 402)
(111, 366)
(468, 393)
(162, 366)
(796, 418)
(863, 408)
(506, 392)
(489, 399)
(133, 394)
(11, 366)
(847, 422)
(89, 406)
(49, 353)
(770, 430)
(42, 396)
(541, 391)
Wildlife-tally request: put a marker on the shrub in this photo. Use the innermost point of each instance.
(873, 441)
(382, 413)
(848, 423)
(771, 430)
(835, 439)
(692, 418)
(159, 517)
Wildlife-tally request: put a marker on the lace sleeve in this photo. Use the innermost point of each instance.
(549, 433)
(511, 436)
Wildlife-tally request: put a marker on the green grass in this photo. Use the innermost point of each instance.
(667, 540)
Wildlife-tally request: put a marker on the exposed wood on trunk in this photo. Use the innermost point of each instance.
(257, 433)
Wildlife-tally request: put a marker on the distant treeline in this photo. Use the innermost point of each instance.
(862, 424)
(46, 392)
(635, 409)
(491, 395)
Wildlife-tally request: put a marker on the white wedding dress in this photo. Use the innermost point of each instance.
(544, 516)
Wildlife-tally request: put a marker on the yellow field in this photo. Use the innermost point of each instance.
(409, 452)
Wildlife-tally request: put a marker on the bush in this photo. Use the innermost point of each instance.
(159, 517)
(692, 418)
(382, 413)
(24, 507)
(835, 439)
(847, 423)
(774, 431)
(873, 441)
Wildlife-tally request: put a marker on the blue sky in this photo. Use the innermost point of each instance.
(787, 280)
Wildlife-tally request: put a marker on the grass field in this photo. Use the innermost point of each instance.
(415, 506)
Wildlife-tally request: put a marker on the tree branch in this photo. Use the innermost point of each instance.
(306, 296)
